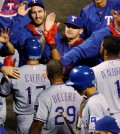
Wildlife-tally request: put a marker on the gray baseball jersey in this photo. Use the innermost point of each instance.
(2, 102)
(51, 102)
(108, 83)
(25, 90)
(95, 108)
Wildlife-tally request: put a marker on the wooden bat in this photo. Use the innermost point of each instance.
(67, 122)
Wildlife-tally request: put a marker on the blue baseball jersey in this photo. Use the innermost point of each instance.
(95, 18)
(19, 37)
(89, 48)
(10, 18)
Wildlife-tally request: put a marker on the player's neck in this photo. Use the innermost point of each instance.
(110, 58)
(90, 91)
(102, 4)
(117, 25)
(32, 62)
(71, 41)
(56, 81)
(41, 27)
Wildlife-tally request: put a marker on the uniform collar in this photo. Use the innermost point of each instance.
(30, 26)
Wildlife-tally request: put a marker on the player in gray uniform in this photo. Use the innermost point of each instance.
(83, 80)
(108, 74)
(58, 97)
(28, 86)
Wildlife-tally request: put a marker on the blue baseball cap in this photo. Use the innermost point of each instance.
(116, 6)
(74, 20)
(107, 123)
(36, 3)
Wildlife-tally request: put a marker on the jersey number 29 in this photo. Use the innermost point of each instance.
(70, 113)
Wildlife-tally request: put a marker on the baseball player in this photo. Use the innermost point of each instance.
(107, 124)
(35, 29)
(13, 14)
(82, 78)
(108, 74)
(26, 88)
(96, 15)
(52, 101)
(91, 46)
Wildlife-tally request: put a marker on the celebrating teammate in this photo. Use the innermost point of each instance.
(52, 101)
(108, 74)
(28, 86)
(82, 78)
(91, 46)
(35, 29)
(100, 11)
(13, 14)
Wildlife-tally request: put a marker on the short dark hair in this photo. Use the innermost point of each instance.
(54, 68)
(111, 44)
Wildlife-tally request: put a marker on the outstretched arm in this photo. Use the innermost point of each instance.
(50, 32)
(10, 71)
(21, 9)
(4, 39)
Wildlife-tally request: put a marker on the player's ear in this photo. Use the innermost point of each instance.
(113, 13)
(81, 31)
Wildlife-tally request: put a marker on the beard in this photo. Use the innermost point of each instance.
(37, 24)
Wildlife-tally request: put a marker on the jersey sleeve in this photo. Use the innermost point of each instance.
(95, 112)
(5, 87)
(42, 109)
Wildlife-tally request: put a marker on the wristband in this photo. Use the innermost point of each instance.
(52, 47)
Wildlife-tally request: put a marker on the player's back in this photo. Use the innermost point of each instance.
(95, 108)
(108, 83)
(27, 87)
(52, 101)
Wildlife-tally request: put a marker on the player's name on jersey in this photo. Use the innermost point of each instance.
(65, 96)
(34, 78)
(110, 72)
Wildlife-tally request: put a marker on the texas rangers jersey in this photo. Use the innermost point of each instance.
(26, 88)
(51, 102)
(95, 108)
(10, 18)
(19, 37)
(90, 47)
(108, 83)
(95, 18)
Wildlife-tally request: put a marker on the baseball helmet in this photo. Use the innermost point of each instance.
(32, 49)
(107, 123)
(81, 77)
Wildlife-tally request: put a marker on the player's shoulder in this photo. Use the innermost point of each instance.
(99, 66)
(89, 7)
(100, 34)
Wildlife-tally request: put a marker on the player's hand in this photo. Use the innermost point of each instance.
(9, 71)
(8, 61)
(21, 9)
(50, 20)
(4, 35)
